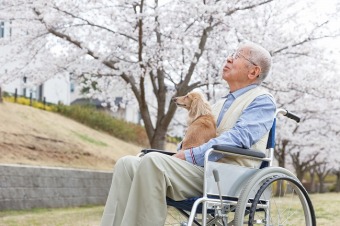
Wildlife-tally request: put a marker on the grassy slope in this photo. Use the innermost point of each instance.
(37, 137)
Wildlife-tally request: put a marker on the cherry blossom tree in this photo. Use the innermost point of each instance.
(322, 170)
(303, 165)
(153, 50)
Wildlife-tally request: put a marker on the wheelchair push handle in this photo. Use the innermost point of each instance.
(293, 116)
(289, 114)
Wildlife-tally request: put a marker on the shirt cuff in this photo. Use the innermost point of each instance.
(189, 156)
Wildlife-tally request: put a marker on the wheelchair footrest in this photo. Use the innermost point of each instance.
(184, 204)
(188, 203)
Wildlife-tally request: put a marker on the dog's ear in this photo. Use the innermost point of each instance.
(198, 107)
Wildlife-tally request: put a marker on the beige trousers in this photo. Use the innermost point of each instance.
(139, 188)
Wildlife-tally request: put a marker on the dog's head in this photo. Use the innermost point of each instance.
(195, 103)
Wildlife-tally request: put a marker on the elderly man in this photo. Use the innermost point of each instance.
(244, 117)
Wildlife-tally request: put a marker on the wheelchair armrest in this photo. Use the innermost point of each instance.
(146, 151)
(239, 151)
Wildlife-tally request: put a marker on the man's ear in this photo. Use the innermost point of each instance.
(254, 73)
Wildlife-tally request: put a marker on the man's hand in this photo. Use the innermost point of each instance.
(180, 155)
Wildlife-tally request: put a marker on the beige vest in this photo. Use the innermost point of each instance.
(229, 120)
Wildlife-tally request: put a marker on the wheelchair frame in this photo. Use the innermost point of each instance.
(245, 190)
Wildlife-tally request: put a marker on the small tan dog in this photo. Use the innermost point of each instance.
(201, 122)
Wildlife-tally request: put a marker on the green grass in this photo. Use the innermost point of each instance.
(90, 140)
(326, 210)
(78, 216)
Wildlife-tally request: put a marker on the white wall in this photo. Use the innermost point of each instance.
(132, 114)
(54, 90)
(57, 90)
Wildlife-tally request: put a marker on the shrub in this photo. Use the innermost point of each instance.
(26, 101)
(102, 121)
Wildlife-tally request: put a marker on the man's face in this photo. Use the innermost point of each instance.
(236, 68)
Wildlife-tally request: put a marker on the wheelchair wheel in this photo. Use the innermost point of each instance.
(274, 196)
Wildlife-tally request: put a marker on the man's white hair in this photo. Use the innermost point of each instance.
(260, 56)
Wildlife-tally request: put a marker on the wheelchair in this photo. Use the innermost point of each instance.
(237, 195)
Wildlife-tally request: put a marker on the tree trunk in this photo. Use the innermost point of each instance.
(312, 181)
(337, 187)
(322, 172)
(158, 141)
(322, 184)
(280, 153)
(300, 172)
(303, 165)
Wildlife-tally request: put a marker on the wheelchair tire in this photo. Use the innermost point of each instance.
(251, 201)
(281, 200)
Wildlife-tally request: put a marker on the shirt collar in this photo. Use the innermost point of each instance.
(239, 92)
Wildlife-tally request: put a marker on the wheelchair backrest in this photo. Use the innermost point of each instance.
(271, 137)
(270, 145)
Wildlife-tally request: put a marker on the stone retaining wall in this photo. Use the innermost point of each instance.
(26, 187)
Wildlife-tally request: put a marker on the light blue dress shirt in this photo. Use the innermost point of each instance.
(255, 121)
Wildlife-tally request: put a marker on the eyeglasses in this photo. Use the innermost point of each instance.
(236, 55)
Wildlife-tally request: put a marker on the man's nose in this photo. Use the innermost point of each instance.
(230, 59)
(174, 99)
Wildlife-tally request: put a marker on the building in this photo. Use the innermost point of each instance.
(58, 89)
